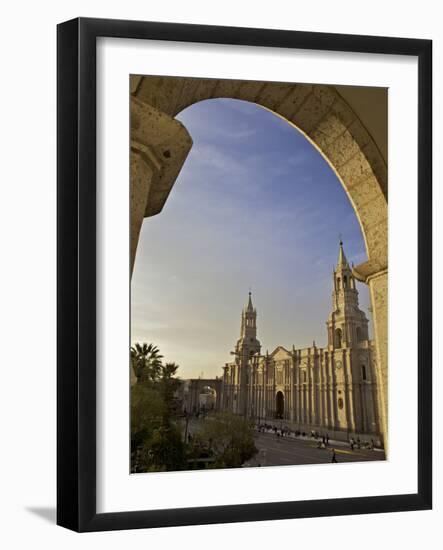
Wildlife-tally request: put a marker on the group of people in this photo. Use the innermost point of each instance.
(361, 444)
(323, 439)
(284, 431)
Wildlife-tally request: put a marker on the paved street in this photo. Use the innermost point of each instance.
(278, 451)
(275, 451)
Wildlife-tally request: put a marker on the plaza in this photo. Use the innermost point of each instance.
(285, 451)
(291, 449)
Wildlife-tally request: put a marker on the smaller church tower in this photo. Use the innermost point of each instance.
(247, 346)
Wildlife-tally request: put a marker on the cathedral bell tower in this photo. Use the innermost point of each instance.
(347, 324)
(247, 346)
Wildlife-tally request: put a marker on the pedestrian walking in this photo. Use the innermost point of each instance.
(334, 458)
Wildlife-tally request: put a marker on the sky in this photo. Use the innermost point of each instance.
(255, 207)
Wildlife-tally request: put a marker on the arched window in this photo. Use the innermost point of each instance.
(359, 334)
(338, 338)
(363, 372)
(338, 283)
(345, 282)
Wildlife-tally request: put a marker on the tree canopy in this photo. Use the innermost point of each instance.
(221, 440)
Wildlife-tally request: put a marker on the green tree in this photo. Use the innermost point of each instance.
(147, 413)
(164, 451)
(168, 385)
(228, 438)
(146, 362)
(156, 441)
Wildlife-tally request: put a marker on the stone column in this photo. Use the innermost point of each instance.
(378, 285)
(325, 369)
(349, 392)
(141, 181)
(364, 408)
(375, 274)
(333, 396)
(312, 392)
(321, 411)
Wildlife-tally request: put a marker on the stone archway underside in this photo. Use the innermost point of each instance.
(160, 144)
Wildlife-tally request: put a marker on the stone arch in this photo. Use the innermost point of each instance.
(208, 398)
(160, 144)
(324, 118)
(196, 387)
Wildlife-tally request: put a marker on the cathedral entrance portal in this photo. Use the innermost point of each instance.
(280, 404)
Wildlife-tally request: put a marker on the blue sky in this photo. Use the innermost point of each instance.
(255, 206)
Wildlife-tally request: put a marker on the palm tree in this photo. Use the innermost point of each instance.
(146, 361)
(168, 385)
(168, 371)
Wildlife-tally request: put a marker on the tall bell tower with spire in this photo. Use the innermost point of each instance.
(347, 323)
(350, 356)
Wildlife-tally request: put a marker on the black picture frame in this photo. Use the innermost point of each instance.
(76, 280)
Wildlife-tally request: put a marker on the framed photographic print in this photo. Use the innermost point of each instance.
(244, 274)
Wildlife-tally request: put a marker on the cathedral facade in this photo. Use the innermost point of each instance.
(332, 388)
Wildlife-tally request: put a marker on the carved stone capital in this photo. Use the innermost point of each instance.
(370, 270)
(164, 143)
